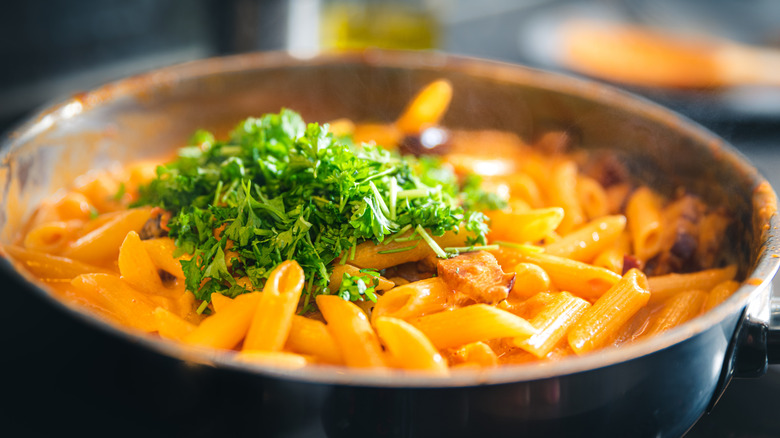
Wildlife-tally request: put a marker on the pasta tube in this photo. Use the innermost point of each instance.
(664, 286)
(161, 252)
(273, 358)
(225, 329)
(563, 192)
(50, 237)
(681, 307)
(719, 294)
(644, 222)
(553, 323)
(102, 243)
(475, 354)
(311, 337)
(273, 316)
(592, 197)
(473, 323)
(426, 108)
(133, 307)
(137, 267)
(352, 332)
(589, 240)
(581, 279)
(408, 347)
(524, 226)
(219, 301)
(49, 266)
(170, 325)
(602, 321)
(414, 299)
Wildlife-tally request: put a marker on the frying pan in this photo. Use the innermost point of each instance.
(654, 387)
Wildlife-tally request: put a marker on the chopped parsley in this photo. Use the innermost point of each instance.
(359, 287)
(278, 189)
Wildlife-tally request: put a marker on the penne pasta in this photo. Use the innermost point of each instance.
(219, 301)
(273, 358)
(74, 206)
(161, 252)
(358, 343)
(471, 324)
(408, 347)
(602, 321)
(664, 286)
(312, 338)
(47, 266)
(644, 222)
(617, 197)
(101, 191)
(719, 294)
(225, 329)
(475, 354)
(679, 308)
(610, 259)
(563, 192)
(102, 243)
(273, 317)
(50, 237)
(529, 308)
(553, 323)
(426, 108)
(581, 279)
(589, 240)
(524, 226)
(387, 135)
(170, 325)
(592, 197)
(516, 186)
(110, 292)
(137, 267)
(414, 299)
(533, 262)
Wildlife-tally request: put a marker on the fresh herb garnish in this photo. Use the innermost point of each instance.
(359, 287)
(279, 189)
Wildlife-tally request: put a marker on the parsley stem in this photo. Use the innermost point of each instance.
(406, 228)
(393, 197)
(202, 307)
(321, 200)
(414, 193)
(471, 248)
(379, 199)
(392, 251)
(408, 238)
(432, 243)
(217, 193)
(520, 246)
(229, 150)
(230, 189)
(387, 171)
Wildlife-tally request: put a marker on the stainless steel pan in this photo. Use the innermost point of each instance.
(656, 387)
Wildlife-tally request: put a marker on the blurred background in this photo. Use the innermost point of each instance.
(715, 61)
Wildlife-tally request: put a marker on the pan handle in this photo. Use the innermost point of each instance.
(755, 345)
